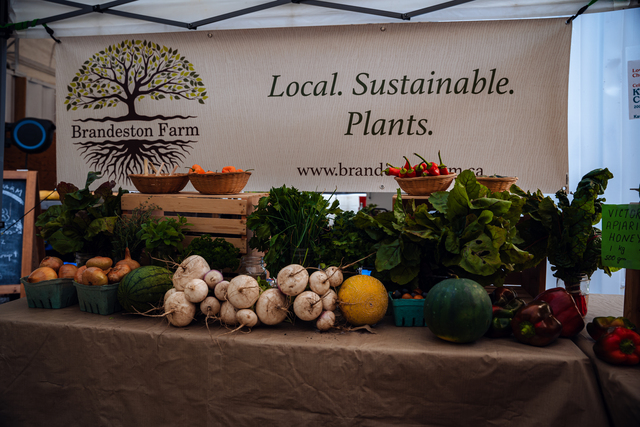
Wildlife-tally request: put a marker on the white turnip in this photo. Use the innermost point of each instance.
(210, 306)
(307, 306)
(293, 279)
(335, 276)
(213, 277)
(246, 317)
(178, 310)
(330, 300)
(196, 290)
(272, 307)
(326, 321)
(220, 290)
(243, 291)
(228, 313)
(193, 267)
(319, 282)
(169, 293)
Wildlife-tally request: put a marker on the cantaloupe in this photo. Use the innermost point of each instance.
(363, 300)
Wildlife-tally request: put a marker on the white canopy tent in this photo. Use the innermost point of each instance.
(599, 130)
(87, 17)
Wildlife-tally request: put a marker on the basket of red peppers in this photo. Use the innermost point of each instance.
(423, 178)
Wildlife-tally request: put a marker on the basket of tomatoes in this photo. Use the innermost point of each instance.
(408, 307)
(229, 181)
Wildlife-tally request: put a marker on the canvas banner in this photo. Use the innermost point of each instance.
(319, 108)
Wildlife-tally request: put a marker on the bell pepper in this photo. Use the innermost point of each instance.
(535, 324)
(621, 346)
(502, 295)
(564, 308)
(502, 314)
(600, 326)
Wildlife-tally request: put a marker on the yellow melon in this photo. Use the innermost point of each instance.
(363, 300)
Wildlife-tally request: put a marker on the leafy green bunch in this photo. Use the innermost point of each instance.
(346, 243)
(85, 220)
(470, 233)
(565, 232)
(126, 233)
(218, 253)
(163, 237)
(288, 219)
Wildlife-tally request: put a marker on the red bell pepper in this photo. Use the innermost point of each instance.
(534, 324)
(600, 326)
(621, 346)
(564, 308)
(501, 320)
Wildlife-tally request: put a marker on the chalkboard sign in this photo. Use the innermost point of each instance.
(13, 194)
(20, 249)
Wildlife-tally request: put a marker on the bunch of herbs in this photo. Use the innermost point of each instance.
(288, 224)
(163, 238)
(126, 233)
(218, 253)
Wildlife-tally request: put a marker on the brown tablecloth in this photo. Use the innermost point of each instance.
(69, 368)
(620, 384)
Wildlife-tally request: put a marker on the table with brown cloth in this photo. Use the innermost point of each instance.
(69, 368)
(620, 384)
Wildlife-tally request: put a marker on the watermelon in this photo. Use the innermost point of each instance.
(458, 310)
(144, 288)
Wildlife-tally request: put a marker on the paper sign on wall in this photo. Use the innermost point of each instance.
(621, 236)
(319, 108)
(634, 89)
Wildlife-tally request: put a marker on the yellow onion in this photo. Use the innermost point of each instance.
(41, 274)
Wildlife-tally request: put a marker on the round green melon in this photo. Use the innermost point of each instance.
(458, 310)
(143, 289)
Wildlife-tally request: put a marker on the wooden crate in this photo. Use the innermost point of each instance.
(222, 216)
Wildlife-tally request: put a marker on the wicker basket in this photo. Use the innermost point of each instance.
(425, 185)
(219, 183)
(495, 184)
(162, 184)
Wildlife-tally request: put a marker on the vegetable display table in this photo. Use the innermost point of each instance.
(620, 384)
(67, 367)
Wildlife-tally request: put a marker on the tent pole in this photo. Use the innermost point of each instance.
(4, 19)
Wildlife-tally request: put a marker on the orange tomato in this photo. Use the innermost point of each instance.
(418, 297)
(407, 296)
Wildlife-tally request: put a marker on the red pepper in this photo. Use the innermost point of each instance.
(391, 170)
(407, 171)
(432, 167)
(534, 324)
(564, 308)
(621, 346)
(441, 167)
(600, 326)
(419, 169)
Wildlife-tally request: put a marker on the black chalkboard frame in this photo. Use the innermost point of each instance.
(32, 246)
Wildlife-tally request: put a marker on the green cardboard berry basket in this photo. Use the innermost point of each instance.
(56, 293)
(98, 299)
(407, 312)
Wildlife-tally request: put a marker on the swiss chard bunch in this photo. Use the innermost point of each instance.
(286, 220)
(565, 232)
(85, 220)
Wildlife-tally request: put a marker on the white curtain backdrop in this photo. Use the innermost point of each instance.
(600, 131)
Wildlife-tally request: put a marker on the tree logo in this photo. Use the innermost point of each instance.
(126, 73)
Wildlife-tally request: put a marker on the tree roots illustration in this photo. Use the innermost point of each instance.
(117, 159)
